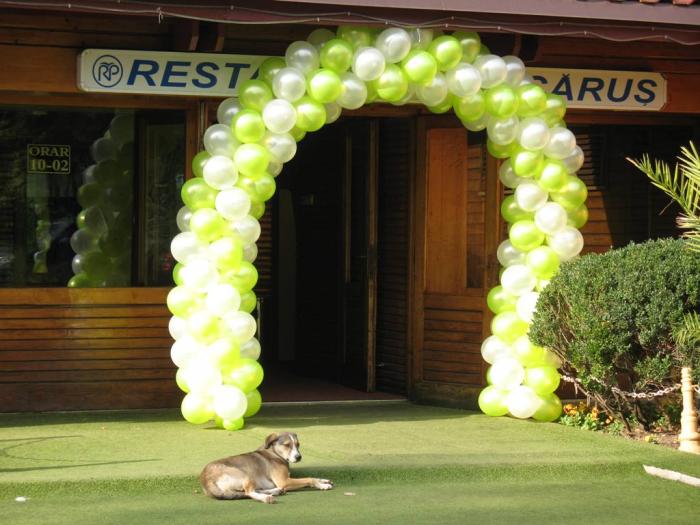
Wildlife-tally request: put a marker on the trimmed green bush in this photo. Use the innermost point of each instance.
(611, 318)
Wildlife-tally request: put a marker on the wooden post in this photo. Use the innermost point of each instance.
(689, 437)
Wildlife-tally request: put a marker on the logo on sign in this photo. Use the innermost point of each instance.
(107, 71)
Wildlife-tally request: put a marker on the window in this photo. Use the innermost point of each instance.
(89, 195)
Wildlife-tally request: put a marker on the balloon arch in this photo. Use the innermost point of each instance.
(215, 348)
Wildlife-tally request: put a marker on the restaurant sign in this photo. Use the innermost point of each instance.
(218, 75)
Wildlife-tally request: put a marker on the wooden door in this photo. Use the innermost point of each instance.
(451, 262)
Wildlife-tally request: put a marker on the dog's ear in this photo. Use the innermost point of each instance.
(269, 440)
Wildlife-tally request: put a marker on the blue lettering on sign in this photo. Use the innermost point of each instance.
(591, 85)
(540, 79)
(611, 91)
(650, 95)
(170, 72)
(145, 69)
(201, 70)
(563, 87)
(236, 70)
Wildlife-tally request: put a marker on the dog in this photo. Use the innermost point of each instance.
(259, 475)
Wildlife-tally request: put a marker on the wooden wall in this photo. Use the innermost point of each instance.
(69, 349)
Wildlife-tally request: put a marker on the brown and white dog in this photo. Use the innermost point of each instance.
(259, 475)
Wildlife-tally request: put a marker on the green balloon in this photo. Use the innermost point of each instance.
(492, 401)
(243, 278)
(254, 403)
(195, 409)
(501, 101)
(372, 95)
(553, 176)
(297, 134)
(484, 49)
(198, 162)
(257, 209)
(115, 243)
(526, 163)
(336, 55)
(501, 151)
(177, 274)
(549, 410)
(81, 280)
(447, 51)
(203, 326)
(197, 194)
(508, 326)
(265, 187)
(499, 301)
(578, 217)
(182, 301)
(470, 43)
(232, 424)
(249, 301)
(420, 67)
(532, 100)
(543, 261)
(269, 68)
(444, 106)
(324, 86)
(525, 235)
(207, 224)
(89, 194)
(511, 212)
(555, 109)
(180, 380)
(527, 353)
(96, 265)
(572, 195)
(392, 85)
(246, 374)
(542, 379)
(251, 159)
(248, 126)
(357, 37)
(470, 108)
(311, 115)
(224, 352)
(226, 253)
(254, 94)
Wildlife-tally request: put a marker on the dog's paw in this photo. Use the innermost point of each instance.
(324, 484)
(269, 499)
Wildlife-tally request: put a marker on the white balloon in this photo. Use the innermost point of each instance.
(561, 144)
(177, 326)
(523, 402)
(368, 63)
(186, 246)
(492, 70)
(233, 204)
(282, 146)
(574, 161)
(515, 70)
(274, 168)
(229, 402)
(434, 93)
(279, 115)
(508, 255)
(502, 131)
(251, 349)
(250, 252)
(241, 325)
(525, 306)
(517, 279)
(227, 110)
(529, 196)
(220, 172)
(77, 263)
(566, 243)
(420, 37)
(333, 111)
(302, 56)
(219, 140)
(478, 124)
(507, 176)
(83, 241)
(182, 219)
(354, 93)
(533, 134)
(394, 43)
(463, 80)
(184, 349)
(507, 373)
(222, 299)
(318, 37)
(103, 149)
(494, 348)
(199, 274)
(551, 218)
(247, 229)
(289, 84)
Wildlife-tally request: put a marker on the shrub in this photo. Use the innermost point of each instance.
(611, 318)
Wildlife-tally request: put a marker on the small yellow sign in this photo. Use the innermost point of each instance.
(48, 158)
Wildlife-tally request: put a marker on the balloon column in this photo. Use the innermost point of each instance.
(257, 133)
(102, 242)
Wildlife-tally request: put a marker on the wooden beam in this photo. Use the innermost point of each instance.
(185, 35)
(212, 37)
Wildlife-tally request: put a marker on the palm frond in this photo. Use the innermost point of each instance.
(672, 183)
(687, 333)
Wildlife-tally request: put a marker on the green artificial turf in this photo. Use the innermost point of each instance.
(391, 462)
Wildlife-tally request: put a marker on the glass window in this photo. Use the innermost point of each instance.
(89, 195)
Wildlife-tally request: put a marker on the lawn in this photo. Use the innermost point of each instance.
(391, 462)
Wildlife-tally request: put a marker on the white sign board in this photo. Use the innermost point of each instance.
(595, 89)
(164, 73)
(216, 75)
